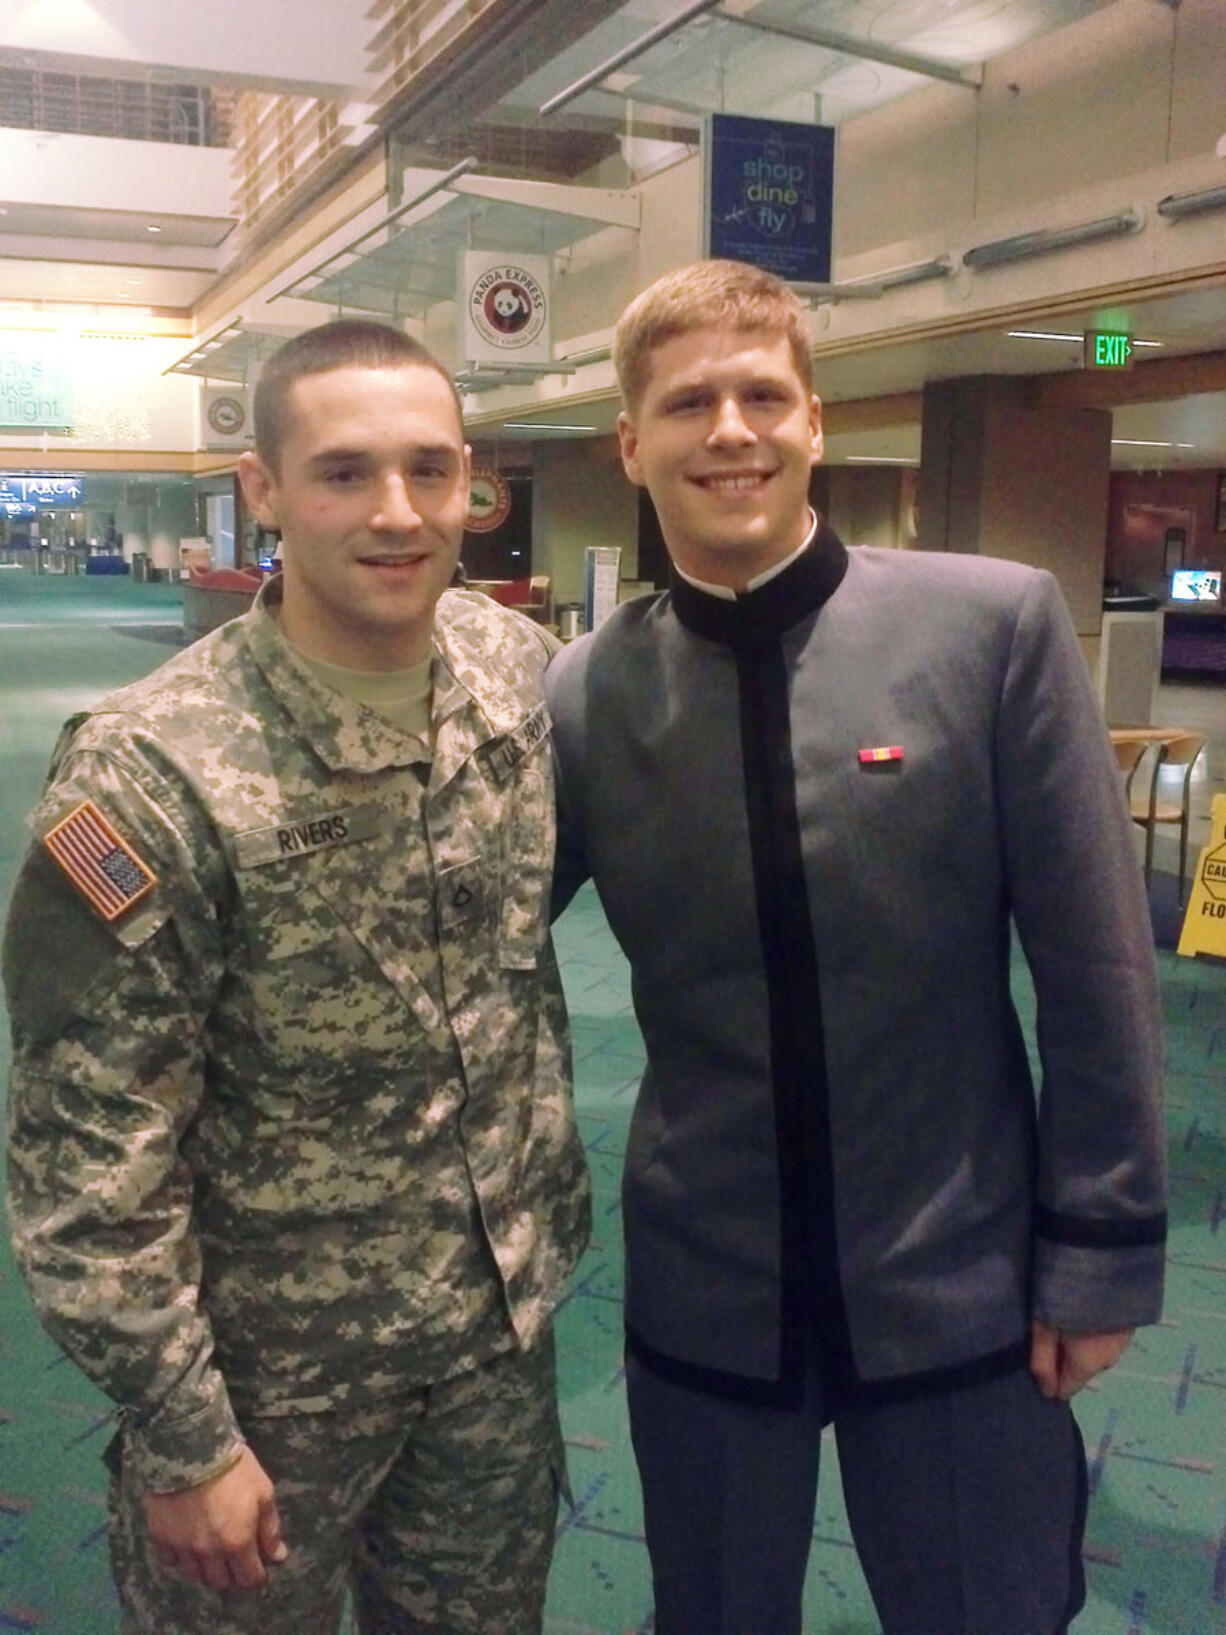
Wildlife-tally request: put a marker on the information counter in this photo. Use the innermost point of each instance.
(1194, 642)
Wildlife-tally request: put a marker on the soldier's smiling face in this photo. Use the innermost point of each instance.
(370, 494)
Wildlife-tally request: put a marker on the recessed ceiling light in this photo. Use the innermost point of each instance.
(1053, 335)
(541, 425)
(1040, 335)
(1146, 442)
(152, 229)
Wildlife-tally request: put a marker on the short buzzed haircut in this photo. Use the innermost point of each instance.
(707, 295)
(346, 343)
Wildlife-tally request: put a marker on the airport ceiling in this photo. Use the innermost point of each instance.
(792, 58)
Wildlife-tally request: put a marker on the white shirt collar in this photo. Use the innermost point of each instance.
(729, 595)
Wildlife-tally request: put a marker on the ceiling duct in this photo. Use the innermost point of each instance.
(1177, 205)
(878, 284)
(1003, 252)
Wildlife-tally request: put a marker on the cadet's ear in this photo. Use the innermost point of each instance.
(628, 437)
(259, 489)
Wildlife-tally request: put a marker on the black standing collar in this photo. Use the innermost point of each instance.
(763, 615)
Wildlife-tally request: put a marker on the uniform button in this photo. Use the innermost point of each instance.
(462, 897)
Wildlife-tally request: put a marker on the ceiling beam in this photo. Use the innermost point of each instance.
(853, 45)
(872, 413)
(1161, 381)
(616, 207)
(653, 36)
(307, 47)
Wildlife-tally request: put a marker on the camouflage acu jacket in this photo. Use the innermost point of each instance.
(293, 1129)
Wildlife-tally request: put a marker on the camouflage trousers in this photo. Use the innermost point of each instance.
(438, 1514)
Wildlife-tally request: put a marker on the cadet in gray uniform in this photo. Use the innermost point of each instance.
(814, 788)
(293, 1168)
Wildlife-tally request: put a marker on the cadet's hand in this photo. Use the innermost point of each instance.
(221, 1533)
(1062, 1363)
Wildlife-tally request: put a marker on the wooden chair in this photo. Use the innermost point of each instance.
(1128, 757)
(1181, 751)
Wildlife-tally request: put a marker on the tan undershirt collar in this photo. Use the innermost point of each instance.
(402, 697)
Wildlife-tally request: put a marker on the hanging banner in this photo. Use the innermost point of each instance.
(769, 195)
(35, 384)
(504, 302)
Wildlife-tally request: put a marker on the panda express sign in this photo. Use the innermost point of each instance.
(506, 308)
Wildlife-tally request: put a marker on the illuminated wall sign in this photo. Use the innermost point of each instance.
(26, 494)
(1107, 349)
(770, 194)
(35, 385)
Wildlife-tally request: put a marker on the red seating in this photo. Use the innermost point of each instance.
(248, 579)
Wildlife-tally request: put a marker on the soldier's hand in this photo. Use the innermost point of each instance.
(222, 1533)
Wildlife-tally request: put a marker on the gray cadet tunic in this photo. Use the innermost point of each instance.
(294, 1132)
(837, 1131)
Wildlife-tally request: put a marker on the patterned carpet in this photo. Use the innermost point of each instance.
(1155, 1429)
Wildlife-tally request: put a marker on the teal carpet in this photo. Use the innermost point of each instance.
(1155, 1428)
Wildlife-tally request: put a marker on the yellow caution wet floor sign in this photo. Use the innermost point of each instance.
(1204, 923)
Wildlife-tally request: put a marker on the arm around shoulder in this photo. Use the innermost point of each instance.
(563, 694)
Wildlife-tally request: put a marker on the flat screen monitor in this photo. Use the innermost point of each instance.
(1196, 585)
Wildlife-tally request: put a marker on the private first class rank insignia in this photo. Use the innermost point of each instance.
(99, 861)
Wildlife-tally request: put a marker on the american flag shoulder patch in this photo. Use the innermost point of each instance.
(99, 862)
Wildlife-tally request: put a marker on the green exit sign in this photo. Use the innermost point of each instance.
(1107, 349)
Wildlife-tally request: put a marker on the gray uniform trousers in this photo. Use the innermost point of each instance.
(966, 1505)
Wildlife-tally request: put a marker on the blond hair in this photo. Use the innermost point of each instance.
(707, 295)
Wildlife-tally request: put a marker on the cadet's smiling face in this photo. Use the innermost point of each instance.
(370, 494)
(723, 440)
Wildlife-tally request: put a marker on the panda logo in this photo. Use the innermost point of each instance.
(507, 307)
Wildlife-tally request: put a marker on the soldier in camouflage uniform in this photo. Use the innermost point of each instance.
(293, 1168)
